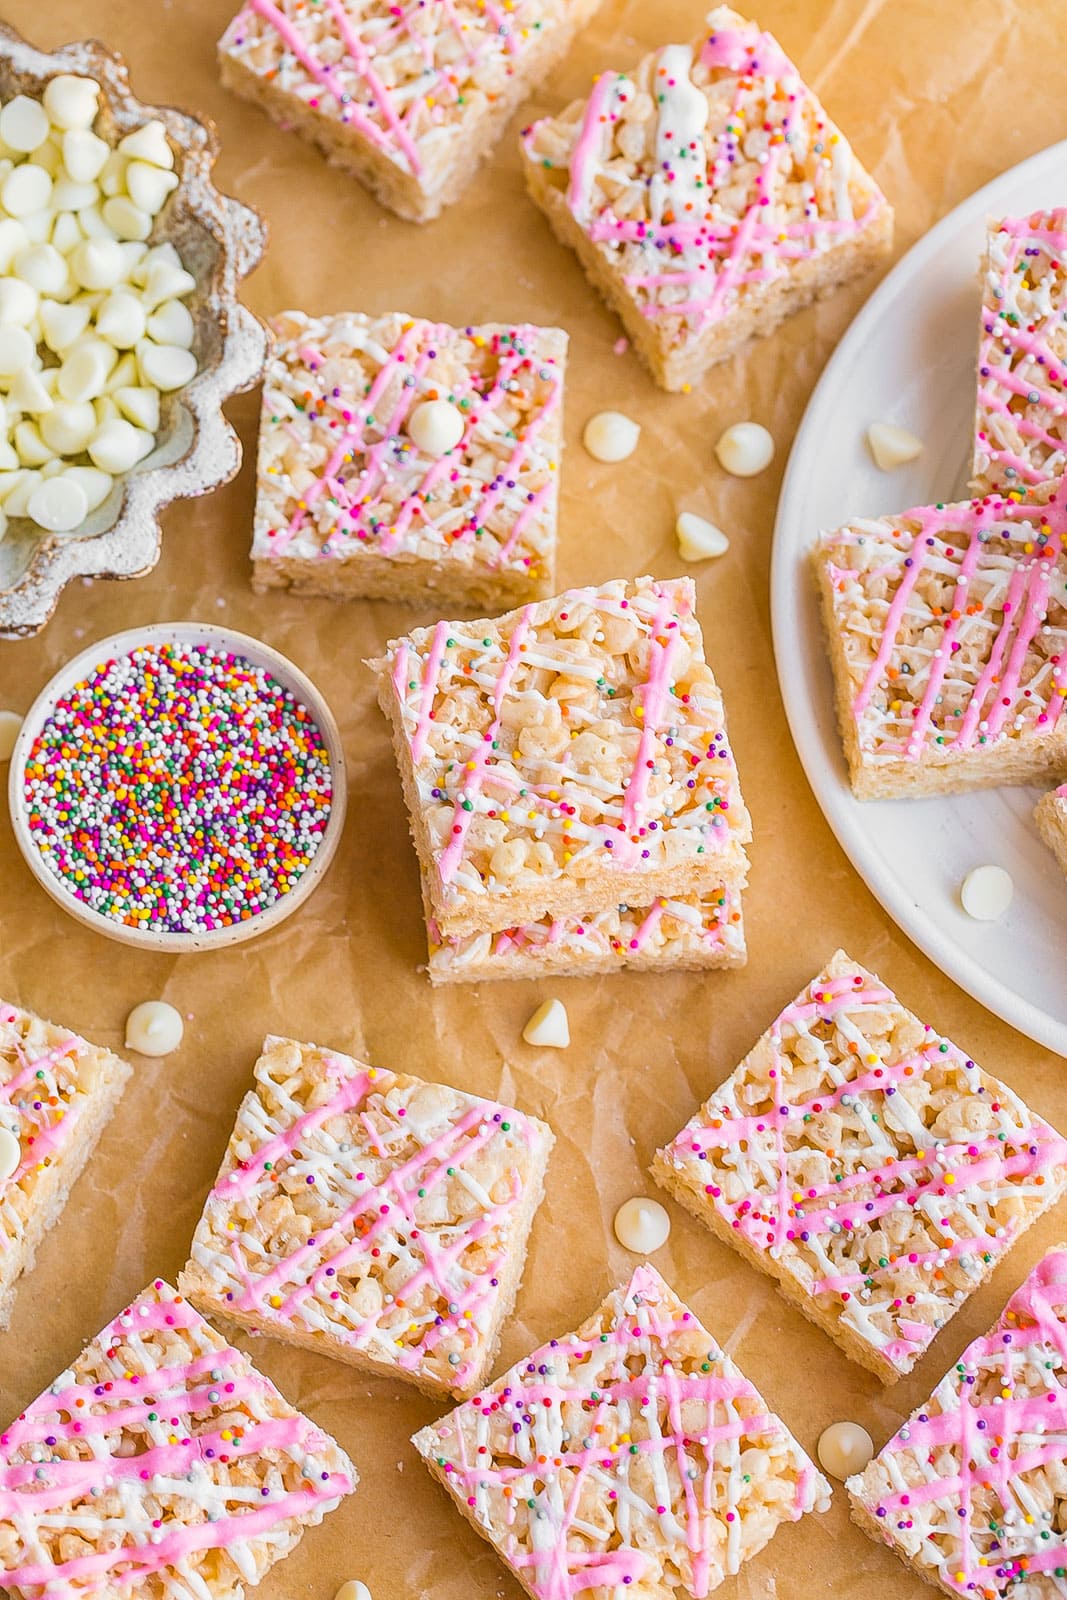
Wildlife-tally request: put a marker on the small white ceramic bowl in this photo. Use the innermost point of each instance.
(185, 634)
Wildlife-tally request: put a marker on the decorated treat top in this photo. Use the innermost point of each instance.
(631, 1452)
(160, 1464)
(670, 929)
(49, 1079)
(970, 1489)
(872, 1159)
(407, 438)
(178, 789)
(708, 173)
(407, 76)
(563, 745)
(1021, 433)
(369, 1210)
(953, 623)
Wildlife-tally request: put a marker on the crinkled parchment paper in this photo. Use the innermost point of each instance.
(938, 96)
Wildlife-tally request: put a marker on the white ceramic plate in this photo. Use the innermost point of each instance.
(180, 633)
(909, 358)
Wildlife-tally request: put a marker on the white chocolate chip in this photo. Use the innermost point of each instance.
(845, 1448)
(642, 1225)
(149, 143)
(49, 156)
(16, 495)
(892, 446)
(154, 1028)
(10, 727)
(62, 324)
(13, 239)
(10, 1154)
(148, 186)
(548, 1027)
(16, 350)
(117, 446)
(163, 280)
(29, 394)
(127, 220)
(94, 484)
(611, 436)
(986, 893)
(24, 124)
(18, 303)
(71, 101)
(26, 189)
(434, 427)
(92, 224)
(699, 539)
(172, 323)
(353, 1590)
(43, 268)
(97, 263)
(58, 504)
(69, 426)
(121, 320)
(105, 407)
(165, 366)
(139, 405)
(745, 449)
(84, 155)
(29, 446)
(112, 175)
(85, 368)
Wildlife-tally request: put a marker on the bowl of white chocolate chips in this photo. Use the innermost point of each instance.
(121, 333)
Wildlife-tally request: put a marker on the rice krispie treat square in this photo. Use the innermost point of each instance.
(565, 757)
(371, 1217)
(410, 95)
(161, 1465)
(969, 1493)
(707, 195)
(57, 1095)
(355, 495)
(631, 1452)
(868, 1165)
(1021, 420)
(1051, 817)
(691, 934)
(948, 642)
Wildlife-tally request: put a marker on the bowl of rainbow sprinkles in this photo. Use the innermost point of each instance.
(178, 787)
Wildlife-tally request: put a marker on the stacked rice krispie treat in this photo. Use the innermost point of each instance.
(707, 195)
(410, 95)
(867, 1164)
(371, 1217)
(1021, 419)
(948, 643)
(570, 787)
(400, 458)
(632, 1452)
(161, 1464)
(969, 1492)
(57, 1094)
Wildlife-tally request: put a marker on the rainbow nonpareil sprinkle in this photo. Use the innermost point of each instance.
(178, 789)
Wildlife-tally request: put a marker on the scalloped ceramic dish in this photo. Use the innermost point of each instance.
(220, 241)
(182, 633)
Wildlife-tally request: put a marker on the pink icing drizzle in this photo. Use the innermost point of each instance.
(307, 1271)
(99, 1424)
(969, 1438)
(731, 256)
(784, 1212)
(370, 442)
(998, 693)
(1015, 360)
(697, 1415)
(387, 118)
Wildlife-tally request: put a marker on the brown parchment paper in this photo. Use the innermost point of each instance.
(938, 96)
